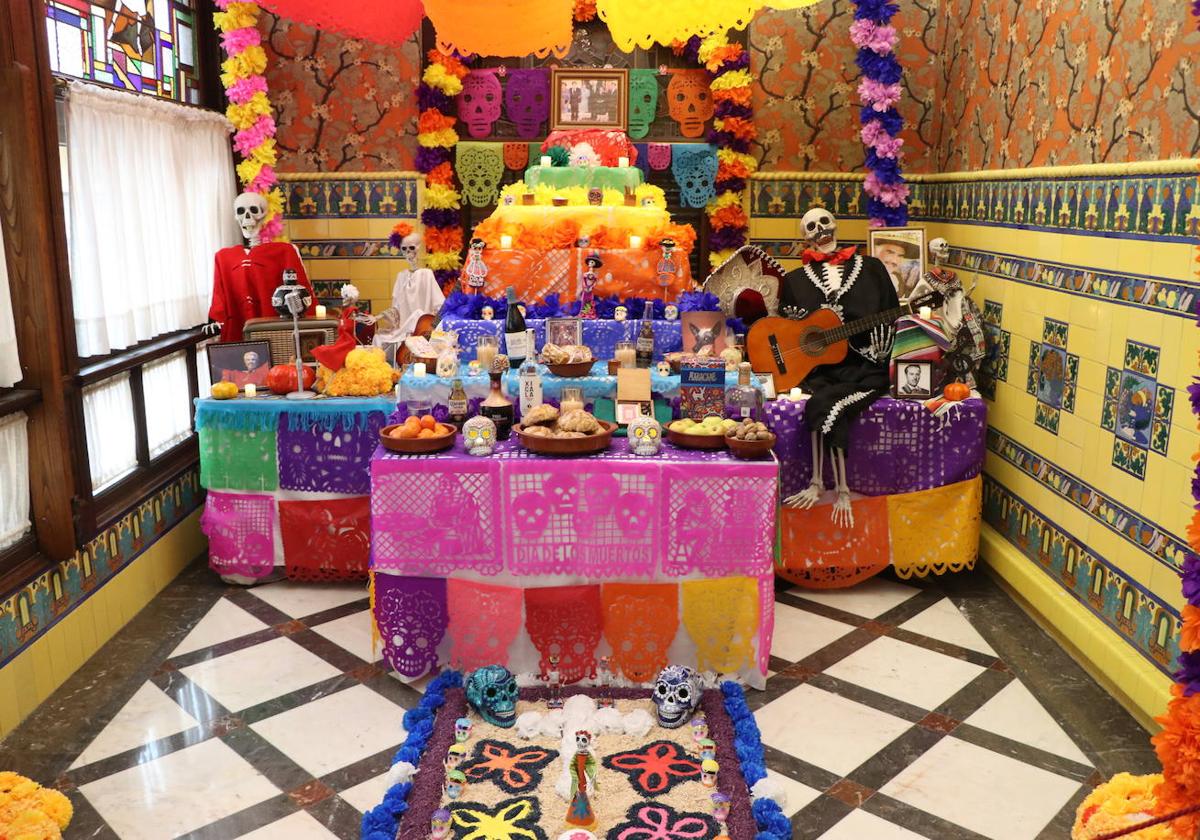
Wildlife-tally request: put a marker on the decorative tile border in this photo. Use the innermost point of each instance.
(31, 610)
(317, 196)
(1148, 625)
(1156, 541)
(791, 199)
(342, 249)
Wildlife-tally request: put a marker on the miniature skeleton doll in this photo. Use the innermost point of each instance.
(587, 300)
(479, 436)
(667, 268)
(439, 825)
(720, 808)
(456, 783)
(415, 293)
(604, 675)
(853, 286)
(462, 730)
(961, 320)
(699, 729)
(476, 269)
(553, 678)
(455, 756)
(708, 772)
(583, 781)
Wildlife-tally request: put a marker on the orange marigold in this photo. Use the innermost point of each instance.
(442, 174)
(1178, 744)
(453, 65)
(720, 55)
(1170, 797)
(738, 95)
(444, 239)
(734, 217)
(1189, 635)
(432, 120)
(740, 127)
(733, 169)
(585, 10)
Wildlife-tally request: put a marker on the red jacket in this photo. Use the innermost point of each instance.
(244, 280)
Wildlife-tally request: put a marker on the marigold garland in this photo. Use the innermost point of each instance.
(440, 83)
(29, 811)
(250, 108)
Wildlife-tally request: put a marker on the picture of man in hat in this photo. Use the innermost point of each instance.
(901, 257)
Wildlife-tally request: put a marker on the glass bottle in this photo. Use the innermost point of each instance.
(498, 408)
(645, 339)
(743, 400)
(516, 345)
(459, 405)
(529, 378)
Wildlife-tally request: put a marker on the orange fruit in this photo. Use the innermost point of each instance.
(427, 422)
(413, 422)
(406, 432)
(426, 433)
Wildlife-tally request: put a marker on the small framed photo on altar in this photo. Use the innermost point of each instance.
(589, 98)
(914, 379)
(902, 252)
(242, 363)
(564, 331)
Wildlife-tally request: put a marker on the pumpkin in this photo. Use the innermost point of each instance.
(956, 391)
(224, 390)
(282, 379)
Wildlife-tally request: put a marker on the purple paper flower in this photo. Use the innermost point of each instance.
(429, 157)
(878, 95)
(1191, 579)
(1188, 674)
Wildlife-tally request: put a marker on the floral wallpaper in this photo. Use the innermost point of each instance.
(341, 104)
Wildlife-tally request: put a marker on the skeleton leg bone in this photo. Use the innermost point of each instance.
(811, 494)
(842, 514)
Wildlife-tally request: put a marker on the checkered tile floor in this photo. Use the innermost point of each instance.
(887, 716)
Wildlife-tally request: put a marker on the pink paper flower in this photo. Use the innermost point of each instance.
(873, 36)
(264, 181)
(893, 195)
(271, 230)
(241, 90)
(887, 147)
(249, 139)
(871, 132)
(236, 40)
(878, 95)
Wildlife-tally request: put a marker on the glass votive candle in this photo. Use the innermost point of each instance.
(486, 349)
(626, 354)
(572, 398)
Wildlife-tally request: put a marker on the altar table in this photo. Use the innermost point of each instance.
(600, 334)
(513, 557)
(915, 487)
(288, 484)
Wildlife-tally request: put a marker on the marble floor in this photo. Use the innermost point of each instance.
(895, 711)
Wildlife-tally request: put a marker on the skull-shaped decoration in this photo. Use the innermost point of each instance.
(439, 824)
(620, 313)
(487, 313)
(820, 230)
(699, 728)
(939, 249)
(455, 755)
(410, 249)
(479, 173)
(456, 783)
(645, 433)
(720, 807)
(563, 491)
(671, 312)
(690, 101)
(664, 368)
(527, 100)
(708, 749)
(462, 730)
(708, 772)
(643, 101)
(492, 692)
(583, 154)
(633, 512)
(676, 695)
(695, 171)
(479, 102)
(290, 297)
(447, 363)
(250, 208)
(583, 741)
(531, 513)
(479, 435)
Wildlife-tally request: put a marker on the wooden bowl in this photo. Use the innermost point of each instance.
(685, 441)
(572, 369)
(748, 450)
(568, 446)
(419, 446)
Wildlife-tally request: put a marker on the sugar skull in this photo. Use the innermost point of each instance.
(720, 807)
(708, 772)
(439, 825)
(620, 313)
(527, 100)
(690, 101)
(455, 755)
(447, 364)
(474, 368)
(708, 749)
(456, 783)
(462, 730)
(695, 171)
(479, 102)
(479, 435)
(595, 196)
(492, 692)
(531, 513)
(699, 728)
(676, 695)
(583, 741)
(664, 368)
(480, 173)
(487, 313)
(643, 101)
(645, 433)
(671, 312)
(583, 154)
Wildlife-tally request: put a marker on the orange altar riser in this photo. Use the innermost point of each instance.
(536, 273)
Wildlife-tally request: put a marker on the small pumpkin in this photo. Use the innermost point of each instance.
(224, 390)
(282, 378)
(956, 391)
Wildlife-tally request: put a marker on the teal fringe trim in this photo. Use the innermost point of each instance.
(263, 414)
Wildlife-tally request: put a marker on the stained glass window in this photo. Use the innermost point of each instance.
(146, 46)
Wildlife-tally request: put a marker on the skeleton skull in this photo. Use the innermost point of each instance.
(690, 101)
(487, 313)
(645, 438)
(480, 173)
(708, 772)
(563, 492)
(527, 100)
(410, 249)
(439, 824)
(251, 211)
(676, 695)
(462, 730)
(480, 436)
(456, 754)
(492, 692)
(456, 781)
(633, 511)
(820, 230)
(671, 312)
(583, 740)
(720, 807)
(620, 313)
(695, 171)
(708, 749)
(939, 249)
(664, 368)
(531, 512)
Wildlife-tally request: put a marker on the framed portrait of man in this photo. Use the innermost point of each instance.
(589, 98)
(914, 379)
(902, 252)
(242, 363)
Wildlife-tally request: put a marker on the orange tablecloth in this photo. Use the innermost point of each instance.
(535, 274)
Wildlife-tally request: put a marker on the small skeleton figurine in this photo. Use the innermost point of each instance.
(587, 300)
(462, 730)
(961, 320)
(455, 756)
(708, 772)
(604, 674)
(667, 269)
(553, 678)
(476, 269)
(583, 781)
(699, 729)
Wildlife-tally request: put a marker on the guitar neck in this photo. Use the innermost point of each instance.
(888, 316)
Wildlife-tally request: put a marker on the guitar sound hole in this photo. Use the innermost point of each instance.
(813, 342)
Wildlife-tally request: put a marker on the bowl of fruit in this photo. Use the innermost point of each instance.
(749, 439)
(418, 435)
(709, 433)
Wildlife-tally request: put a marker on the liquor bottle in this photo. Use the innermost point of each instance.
(529, 378)
(515, 338)
(460, 406)
(498, 408)
(645, 339)
(743, 400)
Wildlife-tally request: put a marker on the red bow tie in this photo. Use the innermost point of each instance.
(833, 258)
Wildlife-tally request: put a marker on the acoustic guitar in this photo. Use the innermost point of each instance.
(790, 349)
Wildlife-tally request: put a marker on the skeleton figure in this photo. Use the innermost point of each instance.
(667, 269)
(553, 678)
(583, 781)
(605, 675)
(476, 269)
(855, 287)
(251, 211)
(587, 300)
(961, 319)
(415, 293)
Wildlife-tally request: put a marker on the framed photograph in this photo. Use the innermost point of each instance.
(564, 331)
(241, 362)
(589, 98)
(914, 379)
(703, 333)
(902, 252)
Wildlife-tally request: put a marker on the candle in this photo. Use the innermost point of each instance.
(418, 369)
(622, 161)
(795, 395)
(320, 311)
(545, 160)
(251, 390)
(626, 354)
(505, 240)
(635, 241)
(486, 350)
(926, 312)
(572, 398)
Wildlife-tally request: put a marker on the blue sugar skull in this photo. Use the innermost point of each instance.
(492, 692)
(676, 695)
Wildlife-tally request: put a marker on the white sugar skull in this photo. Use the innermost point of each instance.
(456, 782)
(487, 313)
(479, 435)
(447, 364)
(939, 249)
(620, 313)
(583, 741)
(410, 249)
(820, 230)
(250, 208)
(582, 154)
(664, 368)
(563, 491)
(645, 434)
(531, 513)
(671, 312)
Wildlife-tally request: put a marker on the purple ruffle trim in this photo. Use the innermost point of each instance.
(429, 158)
(731, 185)
(426, 793)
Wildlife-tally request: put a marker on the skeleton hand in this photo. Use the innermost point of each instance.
(843, 514)
(212, 328)
(880, 348)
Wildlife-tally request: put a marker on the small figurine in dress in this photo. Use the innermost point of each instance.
(476, 269)
(587, 300)
(720, 808)
(604, 672)
(439, 825)
(583, 781)
(455, 755)
(456, 783)
(553, 679)
(708, 772)
(462, 730)
(667, 268)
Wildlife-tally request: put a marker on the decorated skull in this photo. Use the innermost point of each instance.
(664, 368)
(708, 772)
(492, 692)
(439, 824)
(676, 695)
(620, 313)
(250, 208)
(695, 171)
(720, 807)
(462, 730)
(645, 433)
(479, 102)
(583, 154)
(690, 101)
(410, 248)
(583, 740)
(939, 249)
(487, 313)
(447, 363)
(527, 100)
(479, 433)
(820, 229)
(455, 755)
(480, 173)
(699, 728)
(412, 635)
(456, 783)
(643, 101)
(708, 749)
(671, 312)
(531, 514)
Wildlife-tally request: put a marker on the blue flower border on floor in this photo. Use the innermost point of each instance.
(747, 743)
(382, 821)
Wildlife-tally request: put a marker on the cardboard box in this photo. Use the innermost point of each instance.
(702, 387)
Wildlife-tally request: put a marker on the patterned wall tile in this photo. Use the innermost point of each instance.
(994, 367)
(341, 249)
(1137, 409)
(1053, 375)
(350, 198)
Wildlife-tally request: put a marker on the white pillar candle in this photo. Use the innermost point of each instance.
(251, 389)
(505, 240)
(622, 161)
(925, 312)
(635, 241)
(795, 395)
(418, 369)
(321, 310)
(545, 160)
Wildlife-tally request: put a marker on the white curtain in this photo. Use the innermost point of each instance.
(10, 365)
(108, 423)
(167, 400)
(14, 478)
(152, 191)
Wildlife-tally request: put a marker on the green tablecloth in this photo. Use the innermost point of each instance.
(606, 177)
